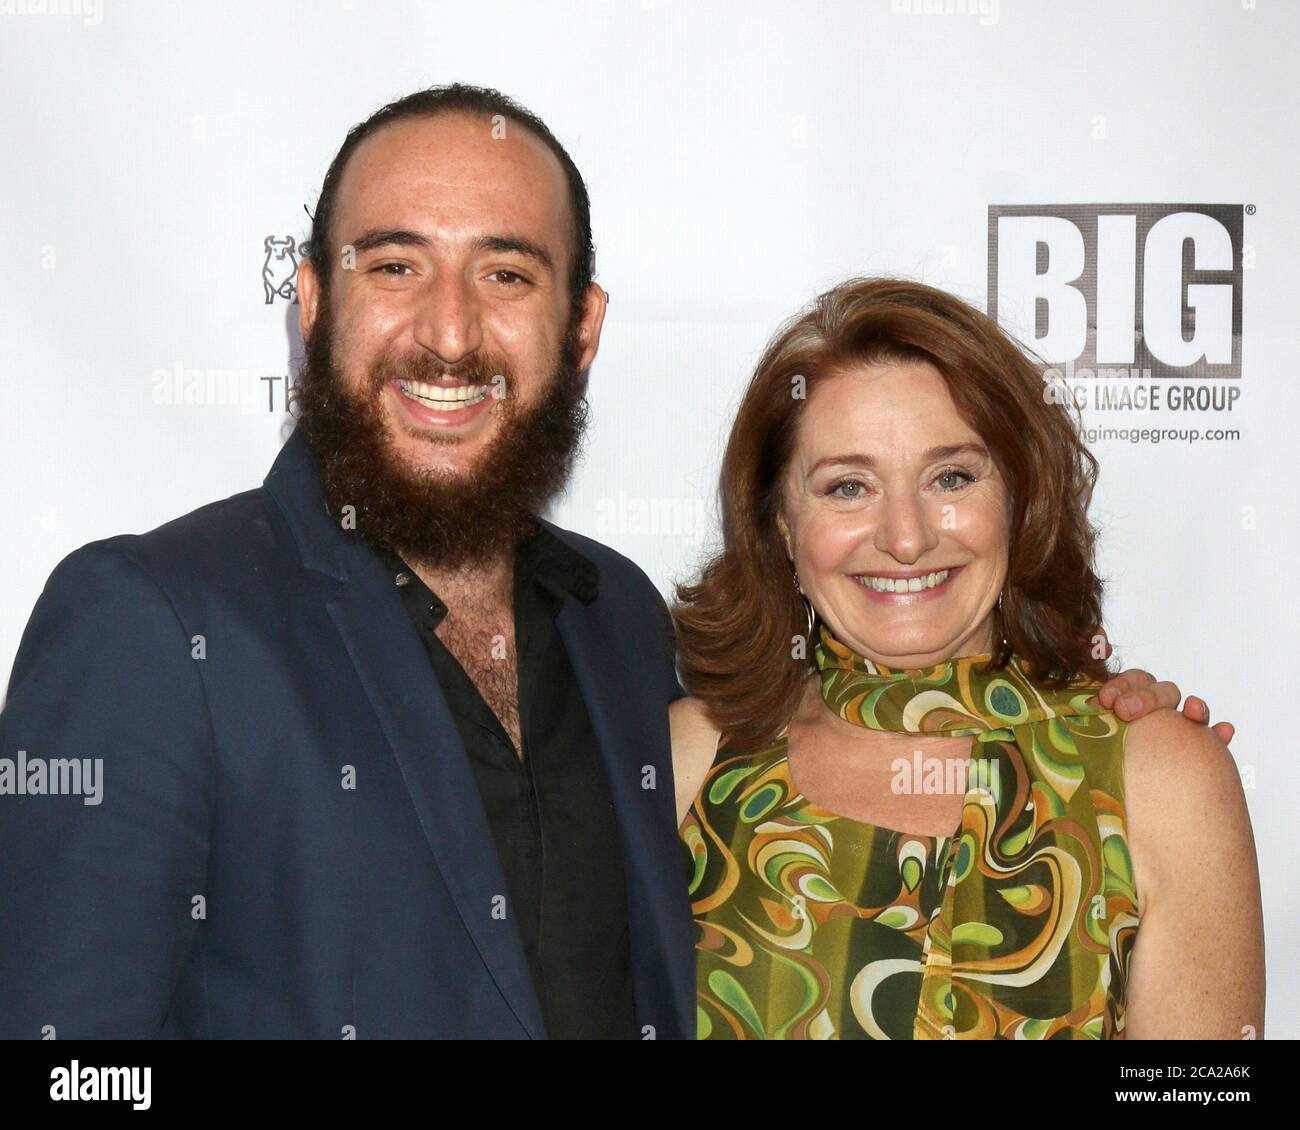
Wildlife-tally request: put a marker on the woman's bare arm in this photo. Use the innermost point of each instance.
(1198, 962)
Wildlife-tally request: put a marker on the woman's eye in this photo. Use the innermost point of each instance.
(847, 488)
(954, 479)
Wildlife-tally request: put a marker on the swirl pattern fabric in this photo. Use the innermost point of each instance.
(1019, 925)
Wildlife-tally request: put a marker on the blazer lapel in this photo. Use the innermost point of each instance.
(659, 916)
(385, 647)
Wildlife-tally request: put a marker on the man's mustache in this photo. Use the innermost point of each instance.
(429, 370)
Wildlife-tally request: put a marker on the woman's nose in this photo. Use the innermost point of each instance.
(906, 528)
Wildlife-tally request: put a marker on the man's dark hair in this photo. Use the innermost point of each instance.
(464, 98)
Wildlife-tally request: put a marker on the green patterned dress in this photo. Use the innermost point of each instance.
(1019, 925)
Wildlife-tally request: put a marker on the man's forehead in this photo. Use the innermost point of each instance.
(452, 169)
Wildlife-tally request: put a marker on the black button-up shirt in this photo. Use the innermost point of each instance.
(550, 811)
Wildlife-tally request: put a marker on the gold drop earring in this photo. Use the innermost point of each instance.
(806, 603)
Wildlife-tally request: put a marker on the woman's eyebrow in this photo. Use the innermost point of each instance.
(857, 459)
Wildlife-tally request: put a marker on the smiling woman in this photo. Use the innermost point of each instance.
(907, 579)
(935, 364)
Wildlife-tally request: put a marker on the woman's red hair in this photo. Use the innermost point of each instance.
(738, 624)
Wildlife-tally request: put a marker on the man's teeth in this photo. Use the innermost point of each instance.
(444, 397)
(904, 584)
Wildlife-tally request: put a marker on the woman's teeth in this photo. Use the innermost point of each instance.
(904, 584)
(443, 397)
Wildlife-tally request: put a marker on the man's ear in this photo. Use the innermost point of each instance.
(595, 302)
(308, 297)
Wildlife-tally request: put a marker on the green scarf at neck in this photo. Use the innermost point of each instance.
(962, 695)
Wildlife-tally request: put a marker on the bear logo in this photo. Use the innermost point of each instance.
(280, 269)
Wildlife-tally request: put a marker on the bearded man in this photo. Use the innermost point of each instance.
(385, 753)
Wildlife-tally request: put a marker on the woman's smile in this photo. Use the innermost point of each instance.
(914, 587)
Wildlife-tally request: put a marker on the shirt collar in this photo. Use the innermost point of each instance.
(558, 565)
(547, 558)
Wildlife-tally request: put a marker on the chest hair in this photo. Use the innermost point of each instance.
(483, 641)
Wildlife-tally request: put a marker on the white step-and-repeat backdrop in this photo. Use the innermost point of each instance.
(1117, 180)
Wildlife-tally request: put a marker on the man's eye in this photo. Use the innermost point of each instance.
(393, 269)
(507, 278)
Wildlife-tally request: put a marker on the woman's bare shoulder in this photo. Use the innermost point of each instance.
(695, 742)
(694, 734)
(1181, 785)
(1164, 750)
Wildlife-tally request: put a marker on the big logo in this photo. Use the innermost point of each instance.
(1154, 288)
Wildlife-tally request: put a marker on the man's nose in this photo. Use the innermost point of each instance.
(447, 321)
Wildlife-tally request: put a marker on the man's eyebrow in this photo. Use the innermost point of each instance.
(388, 237)
(519, 245)
(945, 452)
(404, 237)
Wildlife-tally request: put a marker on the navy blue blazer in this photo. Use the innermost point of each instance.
(236, 670)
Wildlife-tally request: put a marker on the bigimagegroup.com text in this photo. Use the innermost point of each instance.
(1160, 435)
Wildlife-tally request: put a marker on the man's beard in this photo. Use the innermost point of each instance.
(445, 519)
